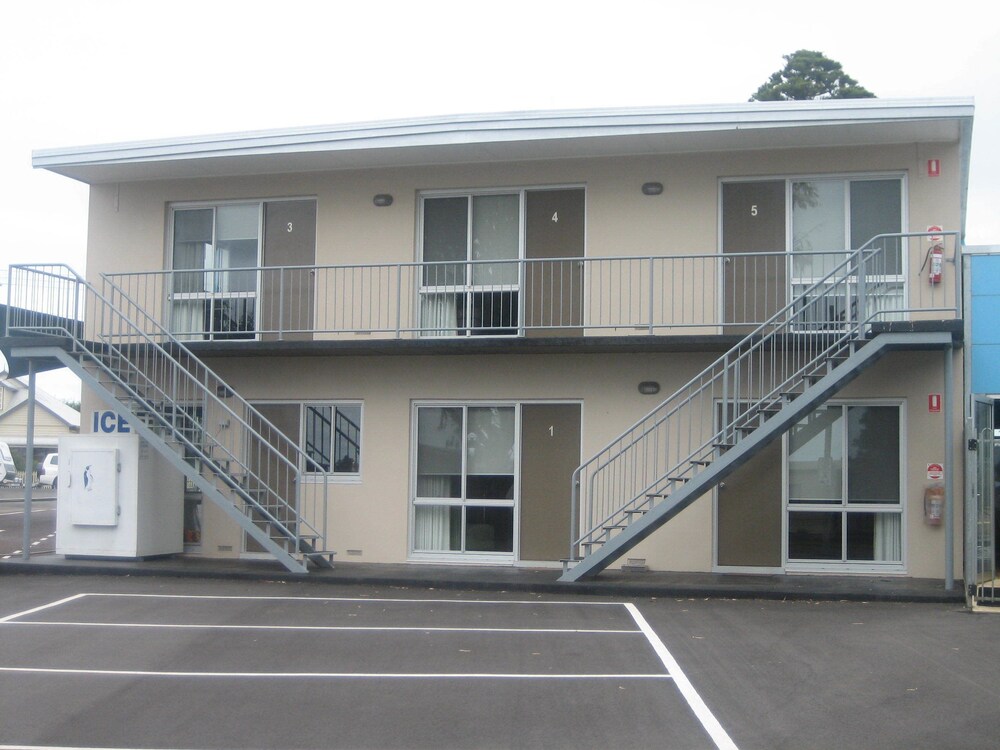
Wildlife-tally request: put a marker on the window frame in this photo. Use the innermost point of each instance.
(469, 288)
(845, 507)
(211, 296)
(792, 281)
(463, 501)
(341, 477)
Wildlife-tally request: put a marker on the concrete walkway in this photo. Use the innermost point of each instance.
(531, 580)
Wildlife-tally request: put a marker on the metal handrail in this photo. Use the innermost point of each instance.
(629, 294)
(638, 469)
(153, 377)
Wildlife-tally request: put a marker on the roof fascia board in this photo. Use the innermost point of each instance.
(512, 127)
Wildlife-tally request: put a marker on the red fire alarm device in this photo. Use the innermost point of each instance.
(934, 403)
(933, 167)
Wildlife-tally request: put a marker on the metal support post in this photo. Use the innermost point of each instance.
(949, 470)
(29, 462)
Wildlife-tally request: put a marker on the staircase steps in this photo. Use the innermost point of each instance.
(126, 365)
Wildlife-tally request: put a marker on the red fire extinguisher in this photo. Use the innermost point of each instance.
(935, 256)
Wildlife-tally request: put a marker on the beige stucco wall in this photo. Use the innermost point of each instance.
(127, 228)
(372, 516)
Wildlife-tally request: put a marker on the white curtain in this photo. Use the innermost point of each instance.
(888, 539)
(432, 528)
(187, 319)
(438, 314)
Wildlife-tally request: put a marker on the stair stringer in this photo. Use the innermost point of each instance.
(164, 448)
(637, 530)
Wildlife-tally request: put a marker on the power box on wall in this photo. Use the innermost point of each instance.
(117, 497)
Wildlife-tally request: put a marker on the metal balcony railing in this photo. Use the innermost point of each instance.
(633, 295)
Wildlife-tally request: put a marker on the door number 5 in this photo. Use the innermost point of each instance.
(753, 211)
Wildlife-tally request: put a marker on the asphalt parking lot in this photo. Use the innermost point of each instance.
(43, 522)
(168, 663)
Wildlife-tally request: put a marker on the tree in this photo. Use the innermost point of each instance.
(810, 75)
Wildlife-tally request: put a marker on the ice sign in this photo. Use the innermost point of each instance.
(108, 422)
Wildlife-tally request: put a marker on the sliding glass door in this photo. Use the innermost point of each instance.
(471, 245)
(466, 480)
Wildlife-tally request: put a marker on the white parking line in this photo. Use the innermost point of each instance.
(358, 600)
(26, 612)
(373, 628)
(344, 675)
(705, 716)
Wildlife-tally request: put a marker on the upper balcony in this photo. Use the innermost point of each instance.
(695, 297)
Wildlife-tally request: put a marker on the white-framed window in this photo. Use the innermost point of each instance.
(845, 488)
(829, 214)
(470, 245)
(331, 437)
(783, 235)
(214, 255)
(465, 480)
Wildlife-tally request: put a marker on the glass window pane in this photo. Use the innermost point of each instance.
(439, 451)
(190, 318)
(876, 208)
(347, 440)
(236, 247)
(437, 528)
(494, 313)
(874, 537)
(815, 458)
(233, 318)
(489, 529)
(238, 222)
(446, 237)
(192, 249)
(495, 234)
(873, 454)
(814, 536)
(319, 430)
(817, 225)
(490, 440)
(193, 225)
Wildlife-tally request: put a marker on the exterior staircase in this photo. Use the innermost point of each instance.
(773, 378)
(216, 439)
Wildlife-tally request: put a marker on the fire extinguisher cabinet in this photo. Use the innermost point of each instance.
(117, 498)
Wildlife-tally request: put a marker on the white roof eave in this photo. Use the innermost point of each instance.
(520, 135)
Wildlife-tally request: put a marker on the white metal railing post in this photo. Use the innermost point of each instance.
(521, 275)
(399, 298)
(281, 300)
(651, 292)
(861, 315)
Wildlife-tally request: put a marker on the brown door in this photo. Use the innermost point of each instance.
(274, 473)
(550, 452)
(287, 296)
(749, 512)
(753, 221)
(553, 290)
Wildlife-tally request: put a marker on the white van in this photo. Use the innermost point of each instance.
(7, 471)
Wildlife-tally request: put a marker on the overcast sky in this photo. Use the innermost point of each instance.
(96, 71)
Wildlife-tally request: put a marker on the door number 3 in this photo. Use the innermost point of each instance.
(290, 225)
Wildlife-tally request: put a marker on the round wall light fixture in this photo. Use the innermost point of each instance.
(382, 200)
(649, 387)
(652, 188)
